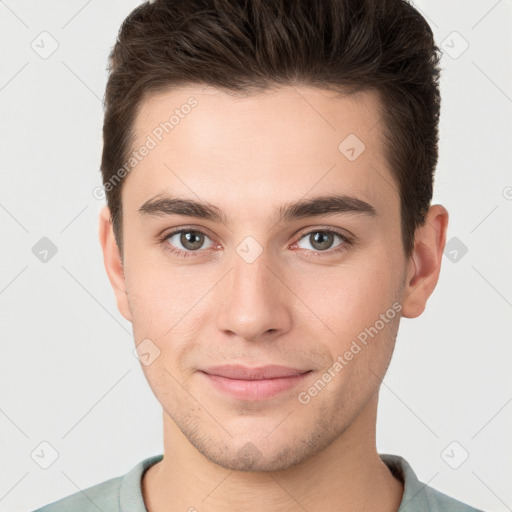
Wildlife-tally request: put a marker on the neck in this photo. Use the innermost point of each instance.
(347, 475)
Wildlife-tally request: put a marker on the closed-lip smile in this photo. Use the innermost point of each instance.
(254, 383)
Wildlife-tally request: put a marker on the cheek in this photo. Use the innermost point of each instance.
(162, 307)
(165, 302)
(349, 297)
(160, 294)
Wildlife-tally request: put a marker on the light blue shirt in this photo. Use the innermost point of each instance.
(124, 494)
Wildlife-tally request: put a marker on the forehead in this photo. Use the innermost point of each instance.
(279, 144)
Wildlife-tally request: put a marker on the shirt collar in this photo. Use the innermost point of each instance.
(414, 497)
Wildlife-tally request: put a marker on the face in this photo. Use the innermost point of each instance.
(316, 289)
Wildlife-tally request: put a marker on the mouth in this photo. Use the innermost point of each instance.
(259, 383)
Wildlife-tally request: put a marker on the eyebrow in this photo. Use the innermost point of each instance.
(163, 205)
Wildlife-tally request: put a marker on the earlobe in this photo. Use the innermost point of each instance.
(425, 262)
(113, 262)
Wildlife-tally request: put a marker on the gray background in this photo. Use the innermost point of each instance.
(68, 374)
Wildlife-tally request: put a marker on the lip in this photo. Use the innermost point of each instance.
(236, 371)
(256, 383)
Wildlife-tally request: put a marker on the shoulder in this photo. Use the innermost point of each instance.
(418, 496)
(103, 496)
(115, 495)
(444, 503)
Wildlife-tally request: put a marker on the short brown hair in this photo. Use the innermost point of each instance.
(246, 46)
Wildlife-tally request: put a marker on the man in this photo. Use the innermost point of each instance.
(268, 169)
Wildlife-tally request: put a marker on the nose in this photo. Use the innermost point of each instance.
(255, 302)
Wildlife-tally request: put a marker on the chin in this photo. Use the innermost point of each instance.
(250, 458)
(261, 453)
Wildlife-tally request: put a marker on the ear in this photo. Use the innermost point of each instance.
(113, 262)
(425, 261)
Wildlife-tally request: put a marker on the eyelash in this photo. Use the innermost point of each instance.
(187, 254)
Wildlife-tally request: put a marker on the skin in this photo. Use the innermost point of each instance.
(248, 156)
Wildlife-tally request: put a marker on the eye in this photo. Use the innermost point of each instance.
(188, 242)
(185, 241)
(321, 240)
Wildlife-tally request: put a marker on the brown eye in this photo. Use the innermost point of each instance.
(187, 240)
(322, 240)
(191, 240)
